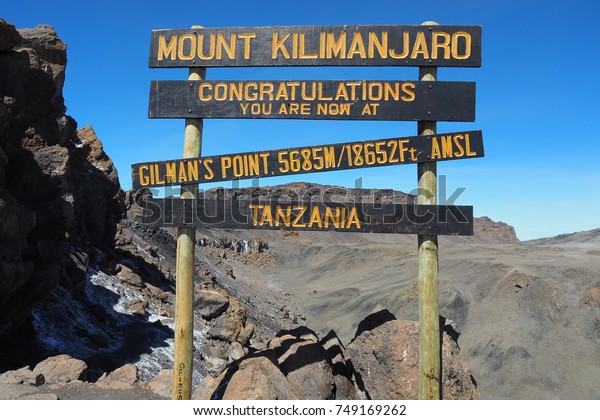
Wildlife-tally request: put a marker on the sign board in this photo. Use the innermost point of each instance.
(317, 100)
(310, 159)
(373, 45)
(313, 216)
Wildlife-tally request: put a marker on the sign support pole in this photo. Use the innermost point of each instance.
(429, 378)
(184, 272)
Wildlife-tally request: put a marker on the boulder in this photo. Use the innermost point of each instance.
(254, 378)
(9, 37)
(341, 366)
(23, 376)
(230, 324)
(162, 383)
(304, 362)
(209, 303)
(61, 369)
(122, 378)
(386, 359)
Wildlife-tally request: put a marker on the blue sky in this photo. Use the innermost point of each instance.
(536, 96)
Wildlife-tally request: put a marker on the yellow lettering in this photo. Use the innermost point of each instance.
(435, 149)
(295, 45)
(341, 92)
(305, 96)
(280, 215)
(375, 96)
(410, 95)
(225, 164)
(446, 146)
(222, 46)
(158, 179)
(236, 91)
(265, 161)
(455, 37)
(301, 211)
(255, 208)
(353, 219)
(220, 91)
(253, 168)
(329, 156)
(278, 46)
(403, 148)
(167, 50)
(192, 169)
(209, 172)
(181, 47)
(357, 46)
(293, 85)
(171, 172)
(420, 46)
(329, 217)
(182, 174)
(266, 89)
(247, 38)
(392, 91)
(335, 47)
(211, 47)
(436, 44)
(322, 97)
(144, 180)
(281, 92)
(375, 43)
(266, 216)
(203, 96)
(366, 110)
(315, 217)
(404, 54)
(303, 54)
(461, 151)
(247, 95)
(468, 146)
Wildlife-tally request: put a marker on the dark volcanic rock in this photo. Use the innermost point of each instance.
(9, 37)
(59, 192)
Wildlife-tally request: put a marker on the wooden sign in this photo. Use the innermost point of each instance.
(316, 100)
(375, 45)
(299, 215)
(311, 159)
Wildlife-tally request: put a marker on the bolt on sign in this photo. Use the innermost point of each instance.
(309, 215)
(312, 159)
(373, 45)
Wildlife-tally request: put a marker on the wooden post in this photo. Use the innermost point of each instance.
(429, 324)
(184, 272)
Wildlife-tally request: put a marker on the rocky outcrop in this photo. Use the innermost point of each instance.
(61, 369)
(385, 356)
(60, 198)
(380, 363)
(488, 231)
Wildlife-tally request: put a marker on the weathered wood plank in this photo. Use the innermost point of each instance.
(314, 100)
(310, 159)
(314, 216)
(353, 45)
